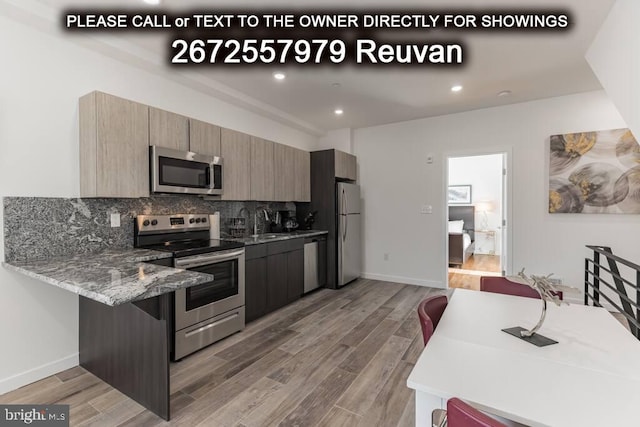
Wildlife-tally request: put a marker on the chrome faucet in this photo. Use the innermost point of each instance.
(255, 219)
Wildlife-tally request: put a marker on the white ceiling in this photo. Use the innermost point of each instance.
(531, 66)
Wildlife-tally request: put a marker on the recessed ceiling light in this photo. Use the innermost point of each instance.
(504, 93)
(456, 88)
(339, 111)
(152, 1)
(279, 75)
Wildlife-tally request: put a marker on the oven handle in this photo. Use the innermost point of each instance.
(213, 324)
(191, 262)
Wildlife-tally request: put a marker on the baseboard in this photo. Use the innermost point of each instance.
(405, 280)
(16, 381)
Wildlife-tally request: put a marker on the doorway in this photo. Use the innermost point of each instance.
(476, 192)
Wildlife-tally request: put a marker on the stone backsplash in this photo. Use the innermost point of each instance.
(38, 227)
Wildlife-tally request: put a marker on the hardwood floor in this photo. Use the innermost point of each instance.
(465, 281)
(468, 275)
(333, 358)
(479, 262)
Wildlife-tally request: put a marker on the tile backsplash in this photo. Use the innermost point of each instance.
(39, 227)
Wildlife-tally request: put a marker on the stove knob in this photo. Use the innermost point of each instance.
(191, 221)
(145, 223)
(198, 220)
(154, 222)
(204, 220)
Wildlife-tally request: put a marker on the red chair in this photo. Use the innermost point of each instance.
(502, 285)
(459, 414)
(430, 311)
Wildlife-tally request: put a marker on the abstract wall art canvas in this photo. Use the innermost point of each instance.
(594, 172)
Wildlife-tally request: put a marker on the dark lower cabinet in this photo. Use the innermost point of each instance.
(255, 292)
(274, 276)
(277, 269)
(128, 348)
(295, 275)
(322, 262)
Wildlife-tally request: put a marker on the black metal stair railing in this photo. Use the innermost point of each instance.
(596, 274)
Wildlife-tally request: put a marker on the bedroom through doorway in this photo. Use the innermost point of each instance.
(476, 221)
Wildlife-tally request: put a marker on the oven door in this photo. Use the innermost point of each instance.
(226, 292)
(174, 171)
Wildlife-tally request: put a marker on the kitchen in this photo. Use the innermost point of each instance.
(51, 143)
(234, 260)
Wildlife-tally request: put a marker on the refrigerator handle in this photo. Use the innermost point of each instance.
(346, 217)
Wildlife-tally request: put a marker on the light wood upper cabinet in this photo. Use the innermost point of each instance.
(114, 147)
(168, 129)
(292, 174)
(262, 169)
(302, 176)
(346, 166)
(115, 135)
(235, 148)
(284, 159)
(204, 138)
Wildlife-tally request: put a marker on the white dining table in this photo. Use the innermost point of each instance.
(590, 378)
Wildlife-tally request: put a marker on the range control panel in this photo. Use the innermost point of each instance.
(164, 223)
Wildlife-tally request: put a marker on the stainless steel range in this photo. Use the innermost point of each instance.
(204, 313)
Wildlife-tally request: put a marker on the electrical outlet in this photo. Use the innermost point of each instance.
(115, 219)
(426, 209)
(386, 257)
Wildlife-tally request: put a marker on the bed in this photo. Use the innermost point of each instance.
(461, 235)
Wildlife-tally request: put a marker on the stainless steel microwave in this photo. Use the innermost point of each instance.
(184, 172)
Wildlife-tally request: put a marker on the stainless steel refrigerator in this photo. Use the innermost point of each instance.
(349, 227)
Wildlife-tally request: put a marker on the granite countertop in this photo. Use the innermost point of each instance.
(112, 277)
(275, 237)
(119, 276)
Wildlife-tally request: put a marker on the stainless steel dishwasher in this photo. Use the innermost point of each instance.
(315, 255)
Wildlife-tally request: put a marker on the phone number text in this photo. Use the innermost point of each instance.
(253, 51)
(315, 51)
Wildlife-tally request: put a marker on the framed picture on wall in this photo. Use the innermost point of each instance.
(459, 194)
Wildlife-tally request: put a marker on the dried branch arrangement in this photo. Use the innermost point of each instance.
(547, 290)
